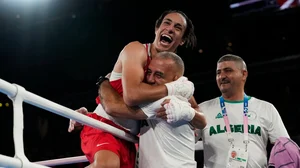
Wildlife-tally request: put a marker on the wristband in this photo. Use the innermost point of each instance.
(100, 80)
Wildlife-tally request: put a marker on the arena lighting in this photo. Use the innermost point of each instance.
(25, 1)
(4, 104)
(239, 4)
(287, 4)
(18, 6)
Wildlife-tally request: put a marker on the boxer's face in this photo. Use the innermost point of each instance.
(161, 71)
(168, 36)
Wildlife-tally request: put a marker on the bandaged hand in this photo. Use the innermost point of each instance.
(73, 123)
(181, 87)
(177, 110)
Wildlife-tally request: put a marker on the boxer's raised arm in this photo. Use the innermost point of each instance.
(114, 105)
(134, 58)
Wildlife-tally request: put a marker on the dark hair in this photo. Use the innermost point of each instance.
(189, 34)
(235, 58)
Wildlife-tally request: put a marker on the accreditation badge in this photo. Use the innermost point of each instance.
(237, 158)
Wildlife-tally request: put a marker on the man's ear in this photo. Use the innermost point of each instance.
(176, 77)
(245, 75)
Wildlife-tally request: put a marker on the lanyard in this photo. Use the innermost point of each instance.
(245, 118)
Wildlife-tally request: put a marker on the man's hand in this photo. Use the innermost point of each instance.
(161, 112)
(181, 87)
(74, 124)
(175, 110)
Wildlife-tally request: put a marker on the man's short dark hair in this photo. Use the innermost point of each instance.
(235, 58)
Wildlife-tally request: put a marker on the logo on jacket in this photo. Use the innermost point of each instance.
(219, 115)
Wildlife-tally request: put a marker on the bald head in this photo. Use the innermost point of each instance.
(177, 63)
(164, 67)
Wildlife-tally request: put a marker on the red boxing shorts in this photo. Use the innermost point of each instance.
(94, 140)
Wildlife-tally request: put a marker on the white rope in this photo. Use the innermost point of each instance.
(63, 161)
(80, 159)
(18, 94)
(48, 105)
(6, 161)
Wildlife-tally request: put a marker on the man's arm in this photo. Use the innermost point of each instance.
(199, 120)
(135, 92)
(74, 124)
(114, 104)
(274, 124)
(171, 114)
(193, 103)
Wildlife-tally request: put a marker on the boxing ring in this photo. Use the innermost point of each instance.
(18, 95)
